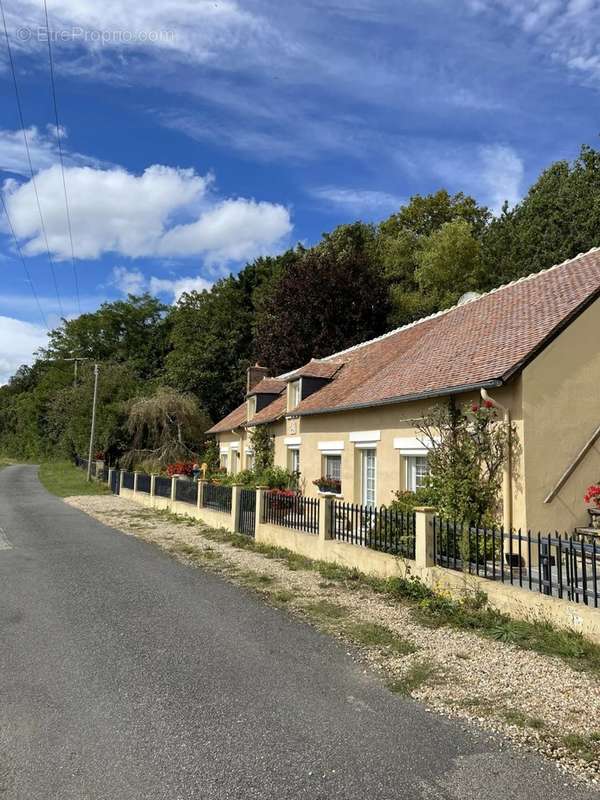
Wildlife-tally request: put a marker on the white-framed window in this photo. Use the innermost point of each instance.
(249, 459)
(223, 460)
(417, 470)
(251, 406)
(368, 476)
(294, 459)
(294, 393)
(333, 467)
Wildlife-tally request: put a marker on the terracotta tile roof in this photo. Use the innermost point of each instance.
(482, 341)
(233, 420)
(267, 386)
(316, 369)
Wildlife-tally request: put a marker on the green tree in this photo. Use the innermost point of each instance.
(412, 235)
(132, 331)
(331, 297)
(67, 424)
(449, 263)
(165, 427)
(558, 218)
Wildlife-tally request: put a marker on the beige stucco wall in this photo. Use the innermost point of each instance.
(390, 421)
(561, 402)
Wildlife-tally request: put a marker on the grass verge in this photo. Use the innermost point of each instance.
(65, 480)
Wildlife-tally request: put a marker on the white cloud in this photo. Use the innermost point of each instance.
(43, 149)
(135, 282)
(492, 173)
(18, 342)
(165, 211)
(129, 281)
(566, 31)
(357, 201)
(197, 29)
(502, 174)
(178, 286)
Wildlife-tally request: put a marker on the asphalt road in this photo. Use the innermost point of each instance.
(126, 675)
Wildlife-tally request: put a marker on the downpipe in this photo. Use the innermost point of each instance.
(507, 504)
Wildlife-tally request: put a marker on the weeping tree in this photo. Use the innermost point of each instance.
(165, 427)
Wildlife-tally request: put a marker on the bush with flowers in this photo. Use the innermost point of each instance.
(181, 468)
(592, 495)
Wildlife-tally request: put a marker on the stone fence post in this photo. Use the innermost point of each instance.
(152, 484)
(173, 488)
(110, 474)
(236, 491)
(326, 517)
(260, 506)
(135, 480)
(424, 544)
(121, 474)
(201, 484)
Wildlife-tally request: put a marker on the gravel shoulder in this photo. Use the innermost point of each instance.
(539, 702)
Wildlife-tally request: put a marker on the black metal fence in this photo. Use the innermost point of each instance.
(114, 481)
(162, 486)
(384, 529)
(128, 480)
(144, 483)
(186, 491)
(291, 511)
(564, 566)
(247, 512)
(217, 497)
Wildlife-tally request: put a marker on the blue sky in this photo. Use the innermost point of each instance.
(198, 135)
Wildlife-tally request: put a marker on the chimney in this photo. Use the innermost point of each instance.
(254, 375)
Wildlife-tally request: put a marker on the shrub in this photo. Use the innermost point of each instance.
(405, 501)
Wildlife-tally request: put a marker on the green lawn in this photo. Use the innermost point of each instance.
(65, 479)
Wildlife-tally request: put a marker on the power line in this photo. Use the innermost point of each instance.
(27, 274)
(22, 122)
(60, 153)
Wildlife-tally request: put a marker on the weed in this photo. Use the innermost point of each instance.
(417, 675)
(371, 634)
(586, 747)
(324, 610)
(252, 578)
(516, 717)
(283, 596)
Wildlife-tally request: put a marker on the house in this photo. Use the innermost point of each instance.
(532, 347)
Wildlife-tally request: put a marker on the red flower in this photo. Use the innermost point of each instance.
(475, 408)
(593, 495)
(181, 468)
(488, 404)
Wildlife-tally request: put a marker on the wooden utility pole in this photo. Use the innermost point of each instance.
(93, 427)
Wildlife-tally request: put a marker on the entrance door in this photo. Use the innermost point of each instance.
(369, 470)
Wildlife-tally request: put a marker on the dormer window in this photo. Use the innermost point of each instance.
(294, 394)
(251, 406)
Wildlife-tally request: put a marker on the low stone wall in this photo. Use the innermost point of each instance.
(364, 559)
(216, 519)
(519, 603)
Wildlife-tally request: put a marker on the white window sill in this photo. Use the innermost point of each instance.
(334, 494)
